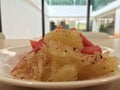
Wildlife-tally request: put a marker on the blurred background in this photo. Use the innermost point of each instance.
(22, 18)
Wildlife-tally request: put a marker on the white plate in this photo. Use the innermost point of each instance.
(10, 56)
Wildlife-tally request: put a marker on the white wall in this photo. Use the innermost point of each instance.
(37, 5)
(68, 11)
(47, 24)
(20, 19)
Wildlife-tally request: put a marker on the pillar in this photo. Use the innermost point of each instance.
(117, 23)
(95, 25)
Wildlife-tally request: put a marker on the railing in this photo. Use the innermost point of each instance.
(66, 2)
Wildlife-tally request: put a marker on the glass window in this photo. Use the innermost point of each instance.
(98, 4)
(66, 2)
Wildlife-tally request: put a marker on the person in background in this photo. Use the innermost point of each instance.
(52, 25)
(64, 25)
